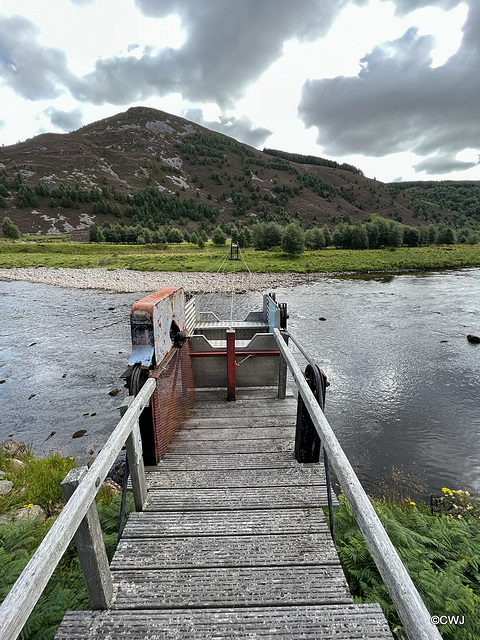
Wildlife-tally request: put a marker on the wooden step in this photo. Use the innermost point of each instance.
(234, 498)
(327, 622)
(230, 587)
(160, 478)
(239, 433)
(192, 462)
(231, 422)
(221, 446)
(232, 551)
(166, 524)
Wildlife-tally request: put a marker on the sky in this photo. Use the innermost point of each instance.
(390, 86)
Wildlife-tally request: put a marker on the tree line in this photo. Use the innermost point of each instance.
(376, 233)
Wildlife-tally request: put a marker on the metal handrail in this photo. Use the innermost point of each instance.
(410, 607)
(26, 591)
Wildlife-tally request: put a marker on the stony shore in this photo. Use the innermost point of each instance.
(123, 281)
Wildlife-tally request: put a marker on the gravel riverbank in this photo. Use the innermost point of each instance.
(123, 281)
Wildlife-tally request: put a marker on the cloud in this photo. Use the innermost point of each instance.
(402, 7)
(443, 163)
(228, 45)
(82, 3)
(65, 120)
(398, 102)
(33, 71)
(241, 129)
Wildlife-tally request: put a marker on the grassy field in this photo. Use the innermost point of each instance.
(186, 257)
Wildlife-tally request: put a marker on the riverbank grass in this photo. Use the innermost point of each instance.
(37, 482)
(187, 257)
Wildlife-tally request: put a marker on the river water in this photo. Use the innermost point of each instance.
(404, 394)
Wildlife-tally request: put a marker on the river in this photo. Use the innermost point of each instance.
(405, 381)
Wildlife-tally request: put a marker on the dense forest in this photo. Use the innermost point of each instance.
(461, 198)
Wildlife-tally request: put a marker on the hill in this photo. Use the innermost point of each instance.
(150, 167)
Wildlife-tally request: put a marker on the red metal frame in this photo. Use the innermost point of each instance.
(231, 364)
(223, 353)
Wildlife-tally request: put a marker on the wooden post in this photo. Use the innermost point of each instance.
(137, 469)
(91, 548)
(282, 375)
(135, 460)
(231, 364)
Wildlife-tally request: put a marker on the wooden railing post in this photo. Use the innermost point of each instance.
(90, 547)
(135, 460)
(136, 466)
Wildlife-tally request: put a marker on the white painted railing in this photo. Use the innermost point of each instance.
(410, 607)
(78, 518)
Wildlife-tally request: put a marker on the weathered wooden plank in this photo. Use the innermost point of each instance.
(232, 551)
(224, 523)
(219, 447)
(233, 586)
(233, 498)
(341, 622)
(240, 433)
(243, 393)
(178, 461)
(264, 408)
(246, 399)
(205, 478)
(234, 422)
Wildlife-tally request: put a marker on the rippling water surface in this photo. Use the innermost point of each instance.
(404, 379)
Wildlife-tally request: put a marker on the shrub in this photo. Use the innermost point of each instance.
(10, 229)
(218, 236)
(293, 239)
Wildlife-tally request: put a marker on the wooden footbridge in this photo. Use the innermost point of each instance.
(229, 540)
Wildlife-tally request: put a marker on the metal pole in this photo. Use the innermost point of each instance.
(231, 364)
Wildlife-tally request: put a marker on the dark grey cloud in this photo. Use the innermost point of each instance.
(65, 120)
(33, 71)
(241, 129)
(398, 102)
(228, 45)
(443, 163)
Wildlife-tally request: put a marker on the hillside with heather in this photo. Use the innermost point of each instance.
(148, 167)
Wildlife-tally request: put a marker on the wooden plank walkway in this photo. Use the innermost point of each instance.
(233, 542)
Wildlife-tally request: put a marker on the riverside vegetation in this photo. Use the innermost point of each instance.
(37, 482)
(440, 549)
(60, 252)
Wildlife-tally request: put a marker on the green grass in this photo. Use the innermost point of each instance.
(186, 258)
(37, 481)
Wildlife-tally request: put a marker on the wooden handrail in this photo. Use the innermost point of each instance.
(26, 591)
(410, 606)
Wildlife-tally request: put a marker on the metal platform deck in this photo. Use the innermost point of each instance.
(233, 542)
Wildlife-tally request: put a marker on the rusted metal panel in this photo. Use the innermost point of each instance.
(155, 320)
